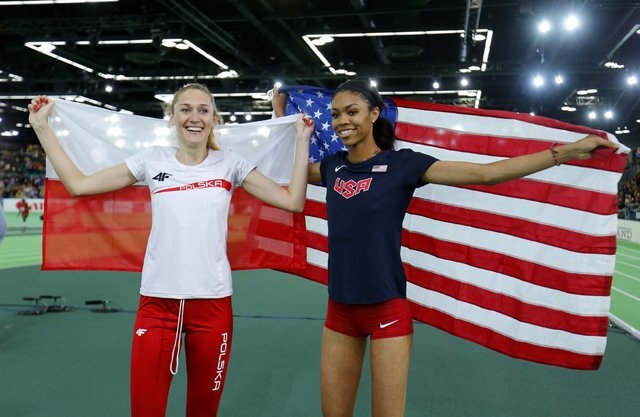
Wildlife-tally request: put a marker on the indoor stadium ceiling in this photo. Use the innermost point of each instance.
(146, 49)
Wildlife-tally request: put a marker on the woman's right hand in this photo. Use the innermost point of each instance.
(40, 109)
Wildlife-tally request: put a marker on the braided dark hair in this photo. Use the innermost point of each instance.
(383, 133)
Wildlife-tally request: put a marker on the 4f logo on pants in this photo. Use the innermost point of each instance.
(141, 331)
(348, 189)
(161, 176)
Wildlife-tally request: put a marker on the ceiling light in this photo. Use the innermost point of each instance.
(613, 65)
(322, 40)
(538, 81)
(40, 2)
(342, 72)
(544, 26)
(559, 79)
(464, 82)
(632, 80)
(48, 47)
(311, 41)
(571, 23)
(227, 74)
(568, 108)
(435, 85)
(592, 115)
(9, 77)
(608, 114)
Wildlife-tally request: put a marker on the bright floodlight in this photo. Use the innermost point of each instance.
(544, 26)
(608, 114)
(559, 79)
(592, 115)
(538, 81)
(632, 80)
(571, 23)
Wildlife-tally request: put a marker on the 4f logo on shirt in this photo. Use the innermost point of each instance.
(348, 189)
(161, 176)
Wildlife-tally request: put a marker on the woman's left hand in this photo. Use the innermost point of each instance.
(304, 126)
(585, 147)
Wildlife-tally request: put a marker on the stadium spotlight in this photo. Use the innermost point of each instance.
(538, 81)
(571, 23)
(544, 26)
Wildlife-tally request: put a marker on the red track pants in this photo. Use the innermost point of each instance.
(207, 326)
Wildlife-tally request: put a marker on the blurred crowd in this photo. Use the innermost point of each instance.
(629, 189)
(22, 172)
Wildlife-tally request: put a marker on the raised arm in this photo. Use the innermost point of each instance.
(278, 103)
(76, 182)
(293, 197)
(467, 173)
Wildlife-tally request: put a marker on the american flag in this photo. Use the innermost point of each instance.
(524, 267)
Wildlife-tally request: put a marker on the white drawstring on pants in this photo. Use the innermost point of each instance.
(175, 352)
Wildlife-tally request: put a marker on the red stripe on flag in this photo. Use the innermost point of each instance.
(559, 195)
(500, 146)
(505, 344)
(509, 306)
(315, 208)
(503, 263)
(520, 227)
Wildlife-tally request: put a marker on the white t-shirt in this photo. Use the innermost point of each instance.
(186, 254)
